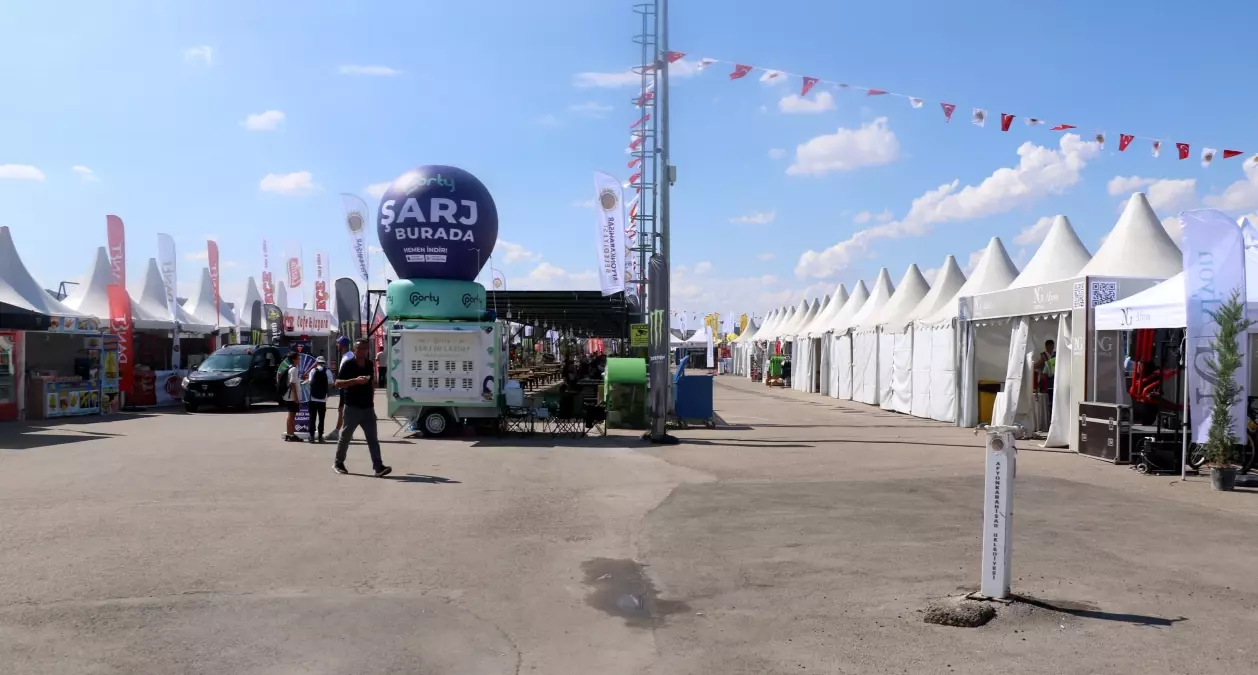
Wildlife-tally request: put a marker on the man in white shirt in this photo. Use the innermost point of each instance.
(292, 394)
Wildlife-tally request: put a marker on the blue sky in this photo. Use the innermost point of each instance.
(128, 91)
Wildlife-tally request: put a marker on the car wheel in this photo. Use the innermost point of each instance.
(435, 423)
(190, 407)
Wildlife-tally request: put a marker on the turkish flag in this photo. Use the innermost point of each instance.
(1228, 154)
(948, 109)
(809, 83)
(674, 57)
(120, 325)
(1005, 120)
(1183, 150)
(875, 92)
(740, 71)
(1062, 127)
(1124, 140)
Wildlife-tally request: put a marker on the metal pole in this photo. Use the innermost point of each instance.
(660, 375)
(1184, 428)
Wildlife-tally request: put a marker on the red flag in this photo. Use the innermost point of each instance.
(1183, 150)
(875, 92)
(674, 57)
(633, 145)
(1062, 127)
(1228, 154)
(740, 71)
(268, 283)
(120, 325)
(1005, 120)
(117, 249)
(809, 83)
(634, 162)
(1124, 140)
(641, 120)
(211, 249)
(948, 109)
(641, 100)
(634, 178)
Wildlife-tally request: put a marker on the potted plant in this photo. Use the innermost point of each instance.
(1221, 441)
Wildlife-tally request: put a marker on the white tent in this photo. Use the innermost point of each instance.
(832, 326)
(872, 380)
(19, 290)
(92, 296)
(943, 293)
(244, 312)
(802, 314)
(935, 335)
(811, 357)
(901, 365)
(1137, 247)
(818, 324)
(1059, 257)
(744, 347)
(281, 297)
(803, 361)
(150, 311)
(785, 317)
(853, 363)
(201, 305)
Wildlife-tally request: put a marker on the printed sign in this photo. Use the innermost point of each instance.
(639, 334)
(437, 222)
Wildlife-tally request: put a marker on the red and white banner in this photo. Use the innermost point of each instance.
(292, 265)
(211, 249)
(120, 325)
(117, 249)
(321, 281)
(739, 71)
(307, 322)
(268, 283)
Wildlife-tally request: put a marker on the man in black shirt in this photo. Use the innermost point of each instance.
(355, 379)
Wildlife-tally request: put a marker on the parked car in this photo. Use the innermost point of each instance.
(235, 376)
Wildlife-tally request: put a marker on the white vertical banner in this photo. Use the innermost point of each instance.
(170, 279)
(1214, 267)
(609, 197)
(292, 266)
(321, 294)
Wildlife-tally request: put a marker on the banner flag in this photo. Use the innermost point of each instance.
(211, 249)
(658, 344)
(321, 281)
(120, 325)
(292, 266)
(274, 324)
(268, 282)
(349, 307)
(117, 249)
(170, 279)
(611, 226)
(356, 222)
(1214, 268)
(255, 323)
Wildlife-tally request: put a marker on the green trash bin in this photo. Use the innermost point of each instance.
(624, 393)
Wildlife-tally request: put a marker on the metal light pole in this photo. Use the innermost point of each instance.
(658, 279)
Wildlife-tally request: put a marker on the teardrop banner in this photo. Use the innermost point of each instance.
(437, 222)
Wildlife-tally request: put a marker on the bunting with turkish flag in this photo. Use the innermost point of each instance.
(809, 83)
(740, 71)
(1005, 120)
(948, 109)
(1183, 150)
(1124, 140)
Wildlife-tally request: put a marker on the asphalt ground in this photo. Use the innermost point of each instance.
(802, 535)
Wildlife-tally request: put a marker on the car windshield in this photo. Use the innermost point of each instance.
(225, 362)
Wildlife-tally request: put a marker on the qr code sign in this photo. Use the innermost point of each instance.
(1104, 292)
(1079, 297)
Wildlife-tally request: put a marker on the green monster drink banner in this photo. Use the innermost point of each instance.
(437, 222)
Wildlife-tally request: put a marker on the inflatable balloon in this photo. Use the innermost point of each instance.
(437, 222)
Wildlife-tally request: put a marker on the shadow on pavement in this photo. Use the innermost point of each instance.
(411, 478)
(25, 439)
(1086, 611)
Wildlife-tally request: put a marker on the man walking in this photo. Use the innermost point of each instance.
(292, 393)
(355, 379)
(342, 347)
(319, 381)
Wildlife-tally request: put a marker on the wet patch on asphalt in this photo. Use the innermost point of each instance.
(621, 588)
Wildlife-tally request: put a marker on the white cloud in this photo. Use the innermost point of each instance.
(866, 216)
(513, 252)
(628, 78)
(377, 190)
(86, 173)
(590, 108)
(296, 183)
(373, 250)
(1035, 233)
(369, 71)
(20, 172)
(203, 53)
(700, 292)
(756, 218)
(1164, 194)
(585, 204)
(1239, 196)
(703, 267)
(846, 149)
(776, 153)
(197, 255)
(548, 277)
(793, 104)
(1040, 172)
(975, 258)
(548, 120)
(263, 121)
(767, 256)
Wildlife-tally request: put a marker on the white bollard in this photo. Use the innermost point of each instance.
(998, 512)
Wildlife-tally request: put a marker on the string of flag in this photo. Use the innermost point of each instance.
(978, 116)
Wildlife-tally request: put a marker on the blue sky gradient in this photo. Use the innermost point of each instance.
(370, 89)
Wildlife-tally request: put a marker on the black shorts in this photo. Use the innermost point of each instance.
(293, 406)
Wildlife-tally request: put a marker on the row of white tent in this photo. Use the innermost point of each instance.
(898, 346)
(149, 308)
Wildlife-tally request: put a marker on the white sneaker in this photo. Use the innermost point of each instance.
(335, 435)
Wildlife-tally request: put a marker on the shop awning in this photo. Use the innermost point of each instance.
(584, 313)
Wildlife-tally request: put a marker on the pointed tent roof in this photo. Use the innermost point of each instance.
(771, 324)
(842, 319)
(244, 311)
(20, 290)
(883, 290)
(784, 321)
(92, 296)
(802, 320)
(750, 333)
(1138, 246)
(802, 310)
(149, 310)
(835, 305)
(1060, 257)
(994, 272)
(948, 281)
(913, 287)
(762, 328)
(281, 296)
(201, 304)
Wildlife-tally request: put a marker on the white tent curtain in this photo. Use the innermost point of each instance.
(841, 374)
(1060, 420)
(1007, 401)
(968, 393)
(865, 367)
(826, 353)
(934, 371)
(897, 395)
